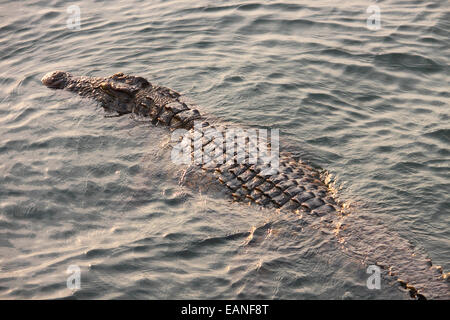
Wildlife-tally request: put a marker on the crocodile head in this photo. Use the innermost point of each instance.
(115, 93)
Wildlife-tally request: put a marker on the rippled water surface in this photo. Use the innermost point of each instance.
(77, 188)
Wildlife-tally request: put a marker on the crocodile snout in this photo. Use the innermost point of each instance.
(56, 79)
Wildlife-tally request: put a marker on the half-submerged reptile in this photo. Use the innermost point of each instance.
(295, 186)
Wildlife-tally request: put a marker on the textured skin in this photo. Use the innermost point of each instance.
(297, 186)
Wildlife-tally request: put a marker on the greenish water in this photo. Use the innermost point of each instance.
(76, 188)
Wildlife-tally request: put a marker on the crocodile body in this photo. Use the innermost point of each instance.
(295, 186)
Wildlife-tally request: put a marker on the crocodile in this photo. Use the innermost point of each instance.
(294, 186)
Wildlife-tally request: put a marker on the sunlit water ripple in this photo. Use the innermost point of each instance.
(101, 193)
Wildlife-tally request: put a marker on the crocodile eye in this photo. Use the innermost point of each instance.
(118, 89)
(118, 75)
(106, 87)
